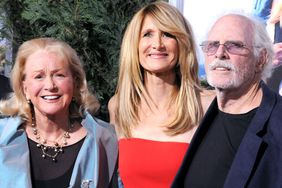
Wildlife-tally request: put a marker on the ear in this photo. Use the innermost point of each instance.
(262, 59)
(25, 90)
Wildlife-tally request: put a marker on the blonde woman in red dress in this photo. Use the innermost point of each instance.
(158, 102)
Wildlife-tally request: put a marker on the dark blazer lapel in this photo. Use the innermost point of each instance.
(245, 159)
(195, 142)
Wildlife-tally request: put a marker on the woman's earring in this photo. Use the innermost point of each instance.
(74, 100)
(28, 101)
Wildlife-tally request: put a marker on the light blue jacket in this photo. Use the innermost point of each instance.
(94, 166)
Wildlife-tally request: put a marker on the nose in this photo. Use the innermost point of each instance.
(49, 83)
(158, 43)
(221, 52)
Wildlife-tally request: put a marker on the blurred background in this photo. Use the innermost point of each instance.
(94, 28)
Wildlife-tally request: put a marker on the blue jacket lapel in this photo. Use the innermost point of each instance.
(86, 165)
(14, 154)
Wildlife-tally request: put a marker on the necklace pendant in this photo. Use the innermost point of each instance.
(67, 135)
(51, 152)
(34, 130)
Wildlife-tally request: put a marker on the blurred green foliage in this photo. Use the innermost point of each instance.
(94, 28)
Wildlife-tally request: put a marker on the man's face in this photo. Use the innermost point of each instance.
(232, 65)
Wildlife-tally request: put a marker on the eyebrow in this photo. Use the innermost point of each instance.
(52, 71)
(146, 30)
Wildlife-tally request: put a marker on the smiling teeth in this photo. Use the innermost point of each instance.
(159, 54)
(50, 97)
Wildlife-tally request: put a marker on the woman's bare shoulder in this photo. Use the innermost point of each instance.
(112, 104)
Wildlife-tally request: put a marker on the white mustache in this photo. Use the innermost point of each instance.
(221, 64)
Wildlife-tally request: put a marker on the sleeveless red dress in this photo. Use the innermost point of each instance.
(149, 164)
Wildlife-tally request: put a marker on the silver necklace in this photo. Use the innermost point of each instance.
(51, 151)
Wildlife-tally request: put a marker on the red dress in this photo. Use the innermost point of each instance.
(147, 163)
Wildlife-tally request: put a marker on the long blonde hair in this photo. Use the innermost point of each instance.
(130, 88)
(17, 105)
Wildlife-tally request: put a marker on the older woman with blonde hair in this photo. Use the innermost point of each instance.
(48, 138)
(158, 102)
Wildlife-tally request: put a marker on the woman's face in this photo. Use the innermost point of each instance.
(158, 50)
(48, 84)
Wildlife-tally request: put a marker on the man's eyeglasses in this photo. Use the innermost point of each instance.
(233, 47)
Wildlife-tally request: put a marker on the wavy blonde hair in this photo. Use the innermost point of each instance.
(17, 105)
(130, 88)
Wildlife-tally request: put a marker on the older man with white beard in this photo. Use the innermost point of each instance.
(239, 142)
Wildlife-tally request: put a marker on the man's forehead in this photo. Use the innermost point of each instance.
(231, 27)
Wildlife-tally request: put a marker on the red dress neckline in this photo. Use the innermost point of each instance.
(149, 163)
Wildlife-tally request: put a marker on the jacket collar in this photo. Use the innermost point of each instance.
(252, 142)
(243, 162)
(14, 155)
(9, 131)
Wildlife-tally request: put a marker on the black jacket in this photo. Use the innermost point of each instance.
(258, 161)
(5, 87)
